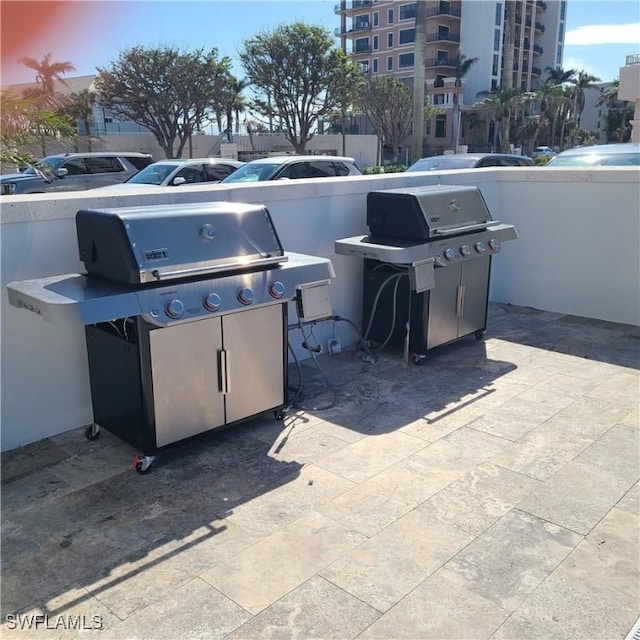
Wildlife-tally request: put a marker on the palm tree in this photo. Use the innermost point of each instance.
(463, 64)
(234, 102)
(47, 72)
(582, 82)
(557, 75)
(509, 43)
(500, 103)
(419, 51)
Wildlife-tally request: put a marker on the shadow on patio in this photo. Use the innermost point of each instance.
(490, 493)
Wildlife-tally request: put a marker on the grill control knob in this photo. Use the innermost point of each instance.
(450, 255)
(245, 295)
(480, 246)
(465, 250)
(174, 309)
(211, 302)
(494, 244)
(276, 290)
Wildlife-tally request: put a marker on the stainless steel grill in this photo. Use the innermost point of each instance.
(185, 314)
(427, 264)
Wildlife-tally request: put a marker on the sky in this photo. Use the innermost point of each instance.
(92, 33)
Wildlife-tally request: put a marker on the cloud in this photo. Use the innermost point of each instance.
(604, 34)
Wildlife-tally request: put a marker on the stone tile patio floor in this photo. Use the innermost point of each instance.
(490, 493)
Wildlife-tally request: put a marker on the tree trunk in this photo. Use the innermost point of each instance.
(509, 43)
(419, 49)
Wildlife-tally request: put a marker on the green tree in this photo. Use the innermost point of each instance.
(298, 76)
(80, 106)
(387, 102)
(166, 90)
(23, 122)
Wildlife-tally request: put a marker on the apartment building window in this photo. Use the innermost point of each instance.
(390, 40)
(364, 66)
(407, 11)
(563, 7)
(405, 60)
(376, 19)
(494, 84)
(375, 43)
(361, 45)
(441, 126)
(559, 56)
(438, 98)
(362, 22)
(375, 65)
(390, 16)
(390, 63)
(406, 36)
(496, 65)
(442, 57)
(498, 14)
(496, 40)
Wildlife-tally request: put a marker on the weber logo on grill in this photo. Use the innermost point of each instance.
(434, 219)
(156, 254)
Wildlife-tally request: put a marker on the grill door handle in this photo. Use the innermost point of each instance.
(460, 300)
(469, 227)
(163, 275)
(225, 373)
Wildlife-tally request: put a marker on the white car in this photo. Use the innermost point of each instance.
(174, 173)
(547, 152)
(293, 168)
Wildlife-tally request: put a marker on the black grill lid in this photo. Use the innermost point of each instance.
(145, 244)
(418, 214)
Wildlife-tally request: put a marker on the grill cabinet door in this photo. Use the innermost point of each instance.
(444, 305)
(186, 396)
(475, 280)
(254, 347)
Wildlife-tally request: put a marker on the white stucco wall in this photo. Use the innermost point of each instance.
(577, 253)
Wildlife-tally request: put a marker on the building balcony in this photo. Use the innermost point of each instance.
(351, 6)
(540, 27)
(443, 37)
(537, 49)
(541, 5)
(453, 12)
(536, 71)
(436, 62)
(515, 455)
(353, 30)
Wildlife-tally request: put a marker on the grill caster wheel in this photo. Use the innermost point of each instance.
(278, 415)
(142, 464)
(92, 432)
(418, 359)
(479, 334)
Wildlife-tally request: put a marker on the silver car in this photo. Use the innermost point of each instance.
(75, 172)
(624, 154)
(174, 173)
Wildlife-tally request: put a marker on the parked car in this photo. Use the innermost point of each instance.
(293, 168)
(547, 152)
(626, 154)
(470, 161)
(75, 172)
(174, 173)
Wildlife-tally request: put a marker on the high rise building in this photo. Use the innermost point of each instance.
(380, 36)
